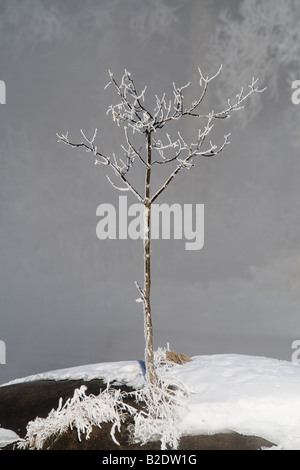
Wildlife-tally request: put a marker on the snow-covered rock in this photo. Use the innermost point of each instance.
(249, 395)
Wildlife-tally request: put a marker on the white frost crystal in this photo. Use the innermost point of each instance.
(159, 419)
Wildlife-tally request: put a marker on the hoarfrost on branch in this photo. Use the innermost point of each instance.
(132, 113)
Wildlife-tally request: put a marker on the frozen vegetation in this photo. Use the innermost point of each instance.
(249, 395)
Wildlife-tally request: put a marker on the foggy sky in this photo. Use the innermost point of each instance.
(67, 298)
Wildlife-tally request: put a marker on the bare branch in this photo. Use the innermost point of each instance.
(168, 181)
(105, 161)
(241, 98)
(131, 109)
(133, 149)
(126, 188)
(180, 110)
(140, 291)
(158, 145)
(212, 151)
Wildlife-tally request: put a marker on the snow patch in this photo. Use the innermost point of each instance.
(7, 436)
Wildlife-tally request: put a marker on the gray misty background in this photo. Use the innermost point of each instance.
(67, 298)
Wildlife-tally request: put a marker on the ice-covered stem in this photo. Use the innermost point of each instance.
(148, 330)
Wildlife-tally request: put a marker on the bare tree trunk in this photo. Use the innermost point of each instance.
(148, 331)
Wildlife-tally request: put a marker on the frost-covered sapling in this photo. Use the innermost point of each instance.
(134, 116)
